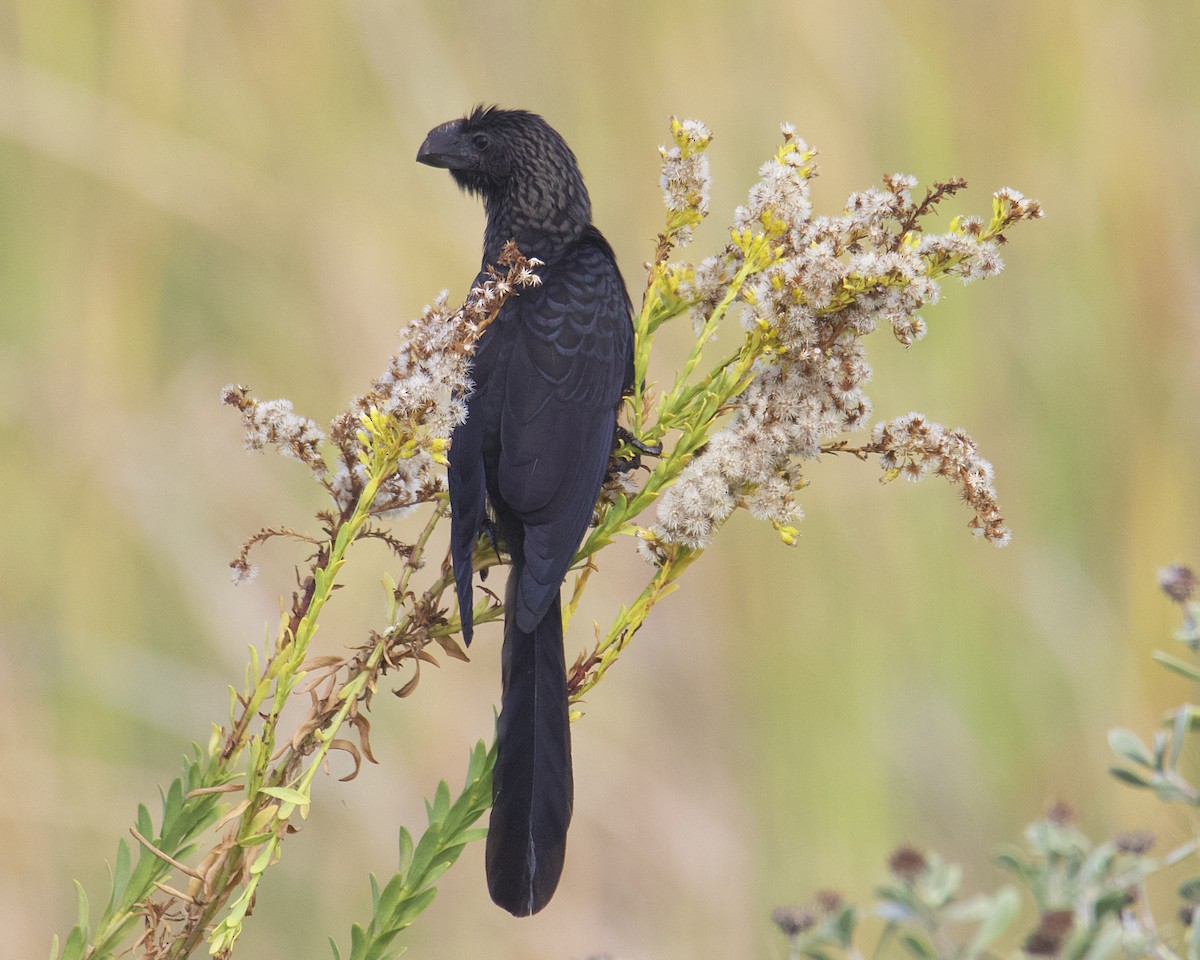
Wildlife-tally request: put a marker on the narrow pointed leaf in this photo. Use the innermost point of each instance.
(1182, 667)
(406, 850)
(287, 794)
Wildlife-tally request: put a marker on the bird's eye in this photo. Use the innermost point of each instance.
(480, 140)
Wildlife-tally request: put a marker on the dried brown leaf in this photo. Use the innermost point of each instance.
(236, 811)
(225, 788)
(310, 723)
(172, 892)
(320, 663)
(409, 687)
(315, 681)
(164, 856)
(452, 648)
(351, 749)
(210, 867)
(392, 655)
(428, 657)
(363, 726)
(492, 593)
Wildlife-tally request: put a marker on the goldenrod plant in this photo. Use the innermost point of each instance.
(794, 294)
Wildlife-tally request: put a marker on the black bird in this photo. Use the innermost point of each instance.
(549, 374)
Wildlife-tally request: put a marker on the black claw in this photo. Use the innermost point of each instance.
(629, 438)
(617, 465)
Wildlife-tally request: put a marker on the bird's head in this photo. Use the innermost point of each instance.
(524, 171)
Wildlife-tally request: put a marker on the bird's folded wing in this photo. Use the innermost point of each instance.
(562, 386)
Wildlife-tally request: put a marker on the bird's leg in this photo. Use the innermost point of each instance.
(488, 529)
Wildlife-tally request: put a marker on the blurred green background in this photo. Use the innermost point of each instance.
(194, 193)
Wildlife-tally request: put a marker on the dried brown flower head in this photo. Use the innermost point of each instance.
(793, 920)
(1136, 843)
(829, 900)
(908, 863)
(913, 448)
(1178, 582)
(1052, 930)
(1061, 813)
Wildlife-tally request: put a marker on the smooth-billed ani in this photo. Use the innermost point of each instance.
(549, 374)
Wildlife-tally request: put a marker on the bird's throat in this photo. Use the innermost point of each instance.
(543, 221)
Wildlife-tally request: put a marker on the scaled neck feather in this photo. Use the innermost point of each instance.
(544, 215)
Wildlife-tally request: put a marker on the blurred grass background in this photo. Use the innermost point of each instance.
(193, 193)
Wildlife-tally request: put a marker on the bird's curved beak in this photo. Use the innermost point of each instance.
(443, 148)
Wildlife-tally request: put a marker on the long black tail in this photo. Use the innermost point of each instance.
(532, 784)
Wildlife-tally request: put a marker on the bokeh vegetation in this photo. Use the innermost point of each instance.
(194, 193)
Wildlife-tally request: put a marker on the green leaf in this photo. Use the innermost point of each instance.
(392, 896)
(1160, 750)
(144, 824)
(121, 872)
(844, 926)
(427, 848)
(334, 948)
(1189, 890)
(1170, 793)
(1129, 745)
(898, 894)
(263, 859)
(1182, 667)
(1110, 902)
(441, 802)
(434, 873)
(1005, 907)
(81, 906)
(406, 850)
(413, 906)
(1128, 776)
(255, 839)
(1011, 861)
(54, 948)
(917, 945)
(358, 941)
(76, 944)
(1183, 719)
(173, 804)
(287, 794)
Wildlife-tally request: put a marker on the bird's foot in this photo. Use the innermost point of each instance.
(627, 436)
(623, 465)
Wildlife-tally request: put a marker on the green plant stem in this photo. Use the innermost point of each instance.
(411, 889)
(593, 669)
